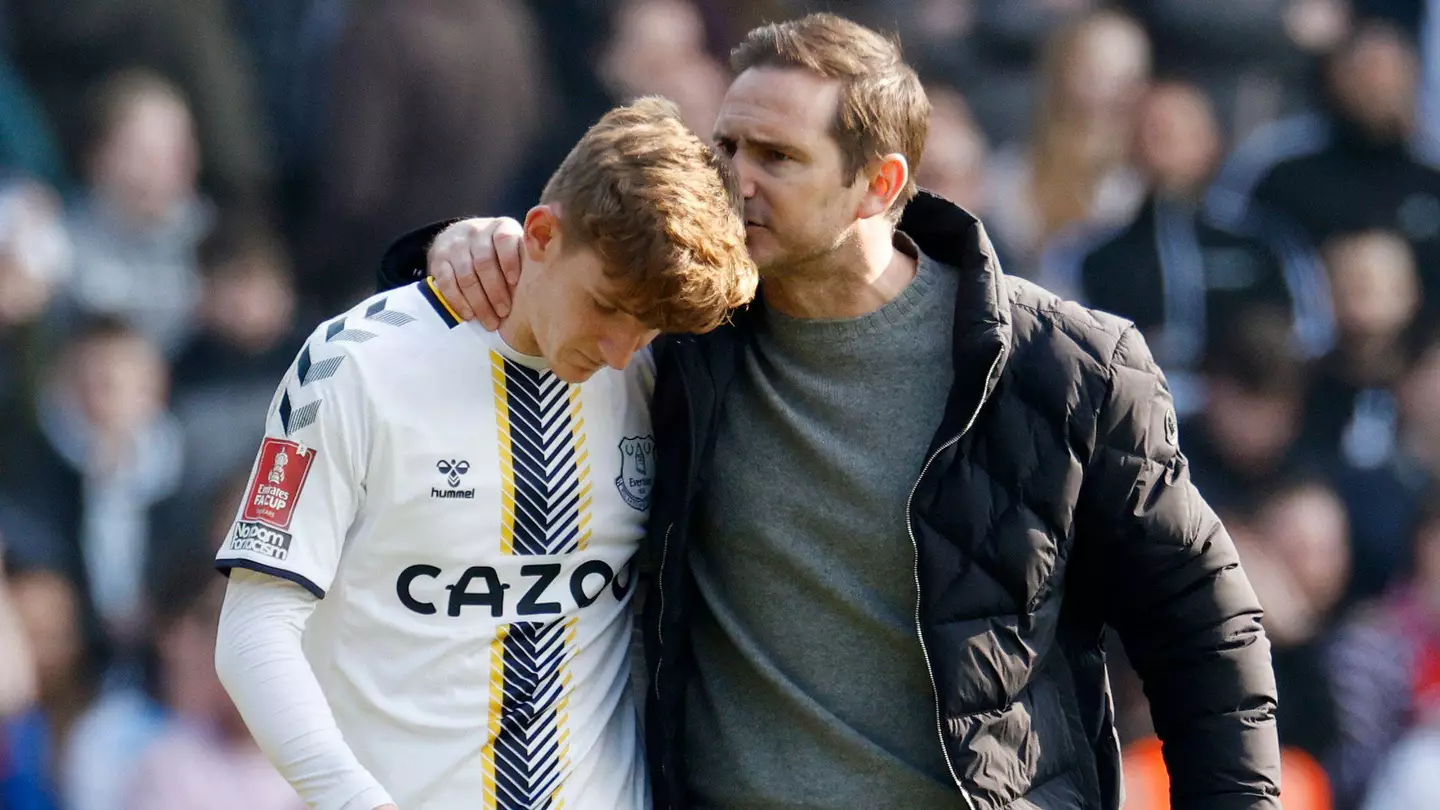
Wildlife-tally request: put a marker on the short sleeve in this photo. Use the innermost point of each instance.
(305, 488)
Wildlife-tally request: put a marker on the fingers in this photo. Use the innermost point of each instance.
(488, 248)
(467, 272)
(509, 241)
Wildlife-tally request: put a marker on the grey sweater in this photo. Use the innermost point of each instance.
(810, 687)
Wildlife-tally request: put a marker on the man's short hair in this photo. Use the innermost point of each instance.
(664, 213)
(882, 109)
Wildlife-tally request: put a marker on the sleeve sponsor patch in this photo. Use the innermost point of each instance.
(279, 476)
(259, 539)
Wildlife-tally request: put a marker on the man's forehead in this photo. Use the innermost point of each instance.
(778, 104)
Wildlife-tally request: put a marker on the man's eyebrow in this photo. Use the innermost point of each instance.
(754, 142)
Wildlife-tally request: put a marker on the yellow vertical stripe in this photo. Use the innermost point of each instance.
(507, 459)
(562, 708)
(582, 465)
(497, 699)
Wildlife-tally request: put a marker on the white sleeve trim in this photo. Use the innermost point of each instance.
(261, 662)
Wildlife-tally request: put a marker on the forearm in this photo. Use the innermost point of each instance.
(259, 658)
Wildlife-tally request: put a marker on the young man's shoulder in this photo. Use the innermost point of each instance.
(387, 330)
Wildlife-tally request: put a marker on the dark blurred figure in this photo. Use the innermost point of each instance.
(224, 379)
(1383, 500)
(1296, 550)
(1175, 271)
(659, 48)
(955, 151)
(1007, 39)
(434, 105)
(1349, 168)
(204, 755)
(1254, 58)
(35, 257)
(291, 45)
(1074, 172)
(65, 49)
(36, 741)
(106, 454)
(1385, 666)
(140, 218)
(1247, 433)
(1351, 410)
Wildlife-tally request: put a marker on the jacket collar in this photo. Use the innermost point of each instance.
(950, 234)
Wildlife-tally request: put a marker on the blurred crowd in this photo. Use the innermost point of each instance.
(187, 186)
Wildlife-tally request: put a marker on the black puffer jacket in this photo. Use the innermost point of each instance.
(1054, 500)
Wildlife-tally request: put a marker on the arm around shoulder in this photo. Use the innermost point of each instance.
(1173, 588)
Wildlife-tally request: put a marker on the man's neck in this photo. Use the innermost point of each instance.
(857, 280)
(517, 332)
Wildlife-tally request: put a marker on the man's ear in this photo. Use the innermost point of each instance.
(887, 179)
(542, 232)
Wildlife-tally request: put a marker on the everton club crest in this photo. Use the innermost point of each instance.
(637, 471)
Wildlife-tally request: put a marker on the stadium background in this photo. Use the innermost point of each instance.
(187, 186)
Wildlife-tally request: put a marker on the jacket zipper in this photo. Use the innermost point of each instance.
(919, 631)
(660, 626)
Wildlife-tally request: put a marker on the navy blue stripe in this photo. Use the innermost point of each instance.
(437, 304)
(225, 564)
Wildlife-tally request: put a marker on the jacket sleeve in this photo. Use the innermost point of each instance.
(1173, 588)
(404, 261)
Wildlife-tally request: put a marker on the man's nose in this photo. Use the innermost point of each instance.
(745, 171)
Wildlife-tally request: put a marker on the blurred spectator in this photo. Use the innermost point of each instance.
(107, 452)
(1351, 410)
(659, 49)
(1247, 432)
(1383, 500)
(1175, 271)
(137, 226)
(1385, 666)
(955, 151)
(1410, 776)
(1009, 38)
(1075, 171)
(204, 756)
(225, 378)
(416, 133)
(18, 687)
(1296, 552)
(1350, 167)
(1253, 57)
(65, 49)
(48, 608)
(34, 258)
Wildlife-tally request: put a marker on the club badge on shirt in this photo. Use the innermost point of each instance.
(637, 471)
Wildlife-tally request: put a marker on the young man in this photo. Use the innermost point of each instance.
(446, 517)
(900, 497)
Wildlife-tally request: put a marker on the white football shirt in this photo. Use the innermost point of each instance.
(469, 521)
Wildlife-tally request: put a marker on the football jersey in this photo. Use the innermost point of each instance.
(468, 520)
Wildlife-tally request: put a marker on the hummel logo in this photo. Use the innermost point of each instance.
(452, 470)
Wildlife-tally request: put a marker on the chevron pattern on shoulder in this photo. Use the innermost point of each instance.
(292, 418)
(307, 371)
(378, 312)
